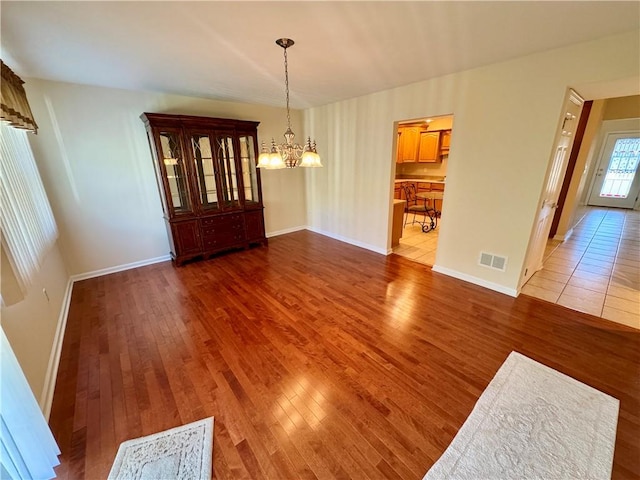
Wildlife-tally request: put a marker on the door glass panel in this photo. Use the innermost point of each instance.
(227, 162)
(248, 162)
(175, 171)
(622, 168)
(205, 171)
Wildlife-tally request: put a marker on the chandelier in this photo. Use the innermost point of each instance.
(288, 154)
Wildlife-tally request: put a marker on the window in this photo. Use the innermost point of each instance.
(28, 227)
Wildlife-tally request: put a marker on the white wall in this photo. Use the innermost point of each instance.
(33, 324)
(94, 159)
(505, 118)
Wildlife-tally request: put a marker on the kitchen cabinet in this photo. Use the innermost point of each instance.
(208, 182)
(422, 187)
(429, 148)
(445, 141)
(416, 144)
(408, 144)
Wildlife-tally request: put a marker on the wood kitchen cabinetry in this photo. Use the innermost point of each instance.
(429, 149)
(445, 141)
(417, 144)
(408, 144)
(209, 185)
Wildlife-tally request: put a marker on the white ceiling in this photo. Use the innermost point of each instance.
(226, 50)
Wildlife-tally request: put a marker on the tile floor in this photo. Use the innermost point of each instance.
(418, 245)
(597, 270)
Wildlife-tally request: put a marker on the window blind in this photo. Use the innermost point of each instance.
(27, 223)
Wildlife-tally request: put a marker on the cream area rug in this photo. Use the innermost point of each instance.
(536, 423)
(183, 452)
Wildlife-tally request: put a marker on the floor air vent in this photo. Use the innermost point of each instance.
(493, 261)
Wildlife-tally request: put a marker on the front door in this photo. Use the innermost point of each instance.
(617, 182)
(555, 175)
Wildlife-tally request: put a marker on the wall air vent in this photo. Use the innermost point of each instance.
(493, 261)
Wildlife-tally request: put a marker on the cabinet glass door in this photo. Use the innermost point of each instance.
(205, 171)
(174, 171)
(249, 173)
(230, 196)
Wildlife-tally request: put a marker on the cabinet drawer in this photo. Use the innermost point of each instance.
(222, 229)
(222, 241)
(232, 218)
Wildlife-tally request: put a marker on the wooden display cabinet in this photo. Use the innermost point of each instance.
(208, 181)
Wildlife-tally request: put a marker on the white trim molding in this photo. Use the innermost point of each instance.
(285, 231)
(46, 398)
(119, 268)
(496, 287)
(350, 241)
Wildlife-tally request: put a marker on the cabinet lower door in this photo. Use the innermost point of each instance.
(254, 226)
(186, 240)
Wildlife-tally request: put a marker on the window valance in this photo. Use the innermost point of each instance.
(14, 107)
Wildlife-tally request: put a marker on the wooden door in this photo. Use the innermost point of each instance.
(186, 238)
(555, 174)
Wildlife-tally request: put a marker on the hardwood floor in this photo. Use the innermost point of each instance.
(318, 360)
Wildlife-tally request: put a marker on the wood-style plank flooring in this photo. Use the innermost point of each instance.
(317, 359)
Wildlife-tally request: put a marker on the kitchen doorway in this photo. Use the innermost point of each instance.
(421, 161)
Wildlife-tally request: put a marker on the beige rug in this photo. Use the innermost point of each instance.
(533, 422)
(183, 452)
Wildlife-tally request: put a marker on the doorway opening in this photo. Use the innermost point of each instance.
(592, 261)
(597, 270)
(421, 160)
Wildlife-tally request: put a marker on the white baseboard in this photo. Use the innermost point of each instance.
(476, 281)
(46, 399)
(565, 237)
(119, 268)
(350, 241)
(285, 231)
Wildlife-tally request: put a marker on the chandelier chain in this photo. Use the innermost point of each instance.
(286, 84)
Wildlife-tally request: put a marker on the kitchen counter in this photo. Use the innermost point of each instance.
(427, 180)
(398, 217)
